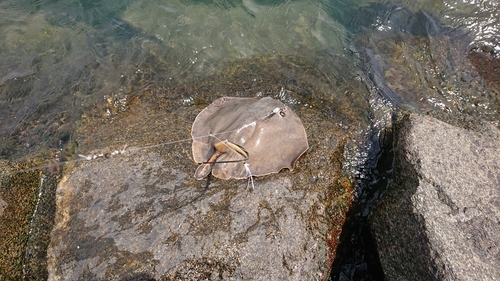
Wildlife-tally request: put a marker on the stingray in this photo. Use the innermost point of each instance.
(244, 137)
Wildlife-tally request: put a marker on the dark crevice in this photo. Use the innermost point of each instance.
(357, 257)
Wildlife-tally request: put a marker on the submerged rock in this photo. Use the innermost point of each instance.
(440, 218)
(419, 63)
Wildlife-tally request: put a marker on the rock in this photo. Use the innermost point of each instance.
(141, 214)
(125, 216)
(440, 217)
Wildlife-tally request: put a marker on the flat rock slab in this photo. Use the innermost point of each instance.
(440, 218)
(121, 217)
(141, 214)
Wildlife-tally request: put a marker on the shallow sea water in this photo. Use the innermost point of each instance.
(67, 62)
(61, 58)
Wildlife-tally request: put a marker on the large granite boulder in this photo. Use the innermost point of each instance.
(440, 217)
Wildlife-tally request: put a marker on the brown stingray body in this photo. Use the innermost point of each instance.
(271, 135)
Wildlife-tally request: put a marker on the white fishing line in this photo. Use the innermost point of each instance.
(126, 150)
(123, 151)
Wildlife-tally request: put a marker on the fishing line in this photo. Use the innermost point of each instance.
(126, 150)
(123, 151)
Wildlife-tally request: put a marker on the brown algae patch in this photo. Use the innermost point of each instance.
(27, 199)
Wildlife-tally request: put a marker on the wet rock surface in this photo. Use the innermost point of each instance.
(148, 218)
(141, 214)
(440, 218)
